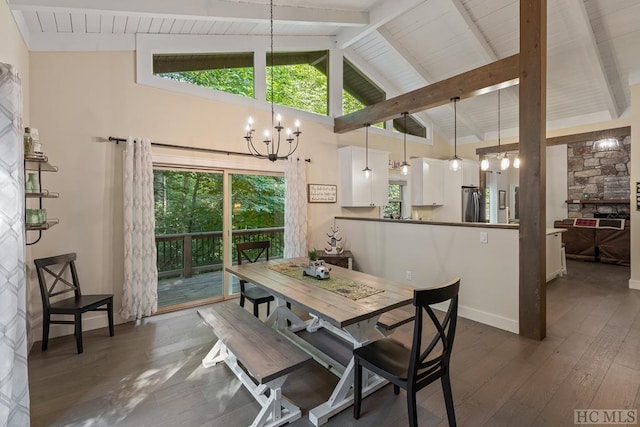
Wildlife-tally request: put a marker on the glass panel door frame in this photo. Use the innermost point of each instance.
(228, 222)
(227, 232)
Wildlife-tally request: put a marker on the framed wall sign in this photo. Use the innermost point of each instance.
(322, 193)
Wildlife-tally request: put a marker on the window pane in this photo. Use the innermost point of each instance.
(358, 91)
(413, 127)
(299, 80)
(188, 212)
(227, 72)
(394, 208)
(257, 203)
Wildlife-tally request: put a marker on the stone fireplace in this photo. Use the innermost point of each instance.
(598, 178)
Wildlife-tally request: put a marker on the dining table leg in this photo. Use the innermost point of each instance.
(283, 317)
(342, 396)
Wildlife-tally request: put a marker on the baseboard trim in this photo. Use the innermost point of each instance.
(634, 284)
(88, 323)
(490, 319)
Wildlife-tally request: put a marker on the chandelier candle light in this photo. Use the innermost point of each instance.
(272, 142)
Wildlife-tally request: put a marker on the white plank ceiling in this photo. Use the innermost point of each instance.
(593, 45)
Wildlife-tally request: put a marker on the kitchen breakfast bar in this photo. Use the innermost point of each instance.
(425, 253)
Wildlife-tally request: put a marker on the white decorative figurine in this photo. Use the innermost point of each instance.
(333, 248)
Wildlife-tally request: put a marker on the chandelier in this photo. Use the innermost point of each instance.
(271, 140)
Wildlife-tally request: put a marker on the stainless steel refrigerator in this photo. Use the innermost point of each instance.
(472, 205)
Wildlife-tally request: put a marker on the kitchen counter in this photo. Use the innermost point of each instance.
(555, 230)
(428, 253)
(450, 224)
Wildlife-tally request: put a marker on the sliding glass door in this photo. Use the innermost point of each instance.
(200, 216)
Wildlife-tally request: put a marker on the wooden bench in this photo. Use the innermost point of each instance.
(265, 354)
(390, 320)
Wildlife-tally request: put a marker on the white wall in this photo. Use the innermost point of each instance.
(435, 254)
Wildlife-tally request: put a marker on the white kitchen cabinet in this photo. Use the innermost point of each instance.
(468, 175)
(355, 189)
(427, 182)
(554, 253)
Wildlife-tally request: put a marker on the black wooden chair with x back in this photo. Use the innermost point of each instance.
(415, 368)
(75, 305)
(252, 252)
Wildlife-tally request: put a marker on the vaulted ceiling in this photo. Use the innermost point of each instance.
(593, 45)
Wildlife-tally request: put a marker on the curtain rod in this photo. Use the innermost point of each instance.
(205, 150)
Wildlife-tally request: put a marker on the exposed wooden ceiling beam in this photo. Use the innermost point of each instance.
(620, 132)
(211, 10)
(499, 74)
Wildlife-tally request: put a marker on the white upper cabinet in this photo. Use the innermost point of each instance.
(470, 173)
(427, 182)
(355, 189)
(468, 176)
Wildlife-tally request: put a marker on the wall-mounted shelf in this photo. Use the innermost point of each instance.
(44, 194)
(47, 225)
(597, 202)
(39, 164)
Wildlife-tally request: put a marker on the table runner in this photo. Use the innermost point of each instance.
(345, 287)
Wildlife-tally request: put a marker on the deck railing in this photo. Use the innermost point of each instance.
(189, 253)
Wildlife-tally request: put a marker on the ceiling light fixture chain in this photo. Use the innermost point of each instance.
(272, 142)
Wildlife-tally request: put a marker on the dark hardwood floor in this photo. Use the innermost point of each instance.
(149, 373)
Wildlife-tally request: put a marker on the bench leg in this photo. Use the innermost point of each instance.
(216, 355)
(276, 410)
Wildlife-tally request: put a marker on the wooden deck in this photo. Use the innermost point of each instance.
(178, 290)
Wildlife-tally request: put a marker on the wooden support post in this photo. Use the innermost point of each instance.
(533, 87)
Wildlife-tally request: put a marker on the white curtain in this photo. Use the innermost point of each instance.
(14, 383)
(140, 293)
(295, 209)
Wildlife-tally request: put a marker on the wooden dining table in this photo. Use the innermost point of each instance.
(353, 321)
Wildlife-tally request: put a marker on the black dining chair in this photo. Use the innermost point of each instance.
(414, 368)
(252, 252)
(75, 305)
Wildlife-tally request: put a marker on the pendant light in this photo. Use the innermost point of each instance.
(504, 163)
(454, 162)
(272, 142)
(516, 162)
(484, 164)
(366, 170)
(404, 166)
